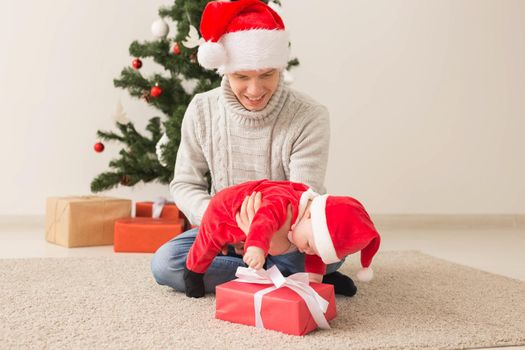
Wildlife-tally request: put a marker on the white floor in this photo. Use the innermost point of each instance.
(499, 251)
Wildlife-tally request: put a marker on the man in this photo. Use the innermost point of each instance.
(251, 127)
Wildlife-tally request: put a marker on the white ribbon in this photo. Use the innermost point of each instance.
(297, 282)
(158, 205)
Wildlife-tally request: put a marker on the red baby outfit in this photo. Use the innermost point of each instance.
(219, 227)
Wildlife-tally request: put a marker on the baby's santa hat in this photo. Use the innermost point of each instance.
(341, 226)
(242, 35)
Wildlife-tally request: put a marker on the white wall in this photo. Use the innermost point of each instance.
(426, 98)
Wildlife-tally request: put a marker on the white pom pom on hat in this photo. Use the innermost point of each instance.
(212, 55)
(366, 274)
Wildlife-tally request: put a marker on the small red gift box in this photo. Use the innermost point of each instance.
(169, 210)
(282, 310)
(145, 235)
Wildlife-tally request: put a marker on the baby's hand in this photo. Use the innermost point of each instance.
(315, 277)
(254, 257)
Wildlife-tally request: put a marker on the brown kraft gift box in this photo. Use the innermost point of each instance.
(84, 220)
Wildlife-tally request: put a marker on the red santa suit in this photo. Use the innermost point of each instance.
(219, 227)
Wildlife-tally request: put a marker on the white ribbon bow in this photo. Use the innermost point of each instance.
(297, 282)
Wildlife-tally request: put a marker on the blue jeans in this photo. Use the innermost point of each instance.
(169, 260)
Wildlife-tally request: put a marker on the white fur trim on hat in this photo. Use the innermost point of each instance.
(255, 49)
(303, 202)
(323, 240)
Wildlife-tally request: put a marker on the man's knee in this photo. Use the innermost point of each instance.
(168, 268)
(167, 264)
(159, 266)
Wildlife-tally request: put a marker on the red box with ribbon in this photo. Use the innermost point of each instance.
(154, 224)
(291, 305)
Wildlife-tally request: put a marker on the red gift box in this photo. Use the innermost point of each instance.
(169, 210)
(144, 235)
(282, 310)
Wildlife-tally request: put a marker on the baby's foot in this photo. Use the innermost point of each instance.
(342, 284)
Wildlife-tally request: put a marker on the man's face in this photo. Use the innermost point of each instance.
(254, 88)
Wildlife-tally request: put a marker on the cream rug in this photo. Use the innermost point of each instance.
(415, 302)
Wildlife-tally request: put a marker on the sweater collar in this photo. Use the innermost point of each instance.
(253, 118)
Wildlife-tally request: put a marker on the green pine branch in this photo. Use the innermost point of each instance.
(138, 160)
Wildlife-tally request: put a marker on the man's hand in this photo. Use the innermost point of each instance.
(244, 218)
(249, 207)
(254, 257)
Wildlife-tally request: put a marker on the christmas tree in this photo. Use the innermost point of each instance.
(151, 157)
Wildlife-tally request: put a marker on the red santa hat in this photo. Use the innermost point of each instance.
(242, 35)
(341, 226)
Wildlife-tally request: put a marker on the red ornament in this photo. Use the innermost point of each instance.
(156, 91)
(99, 147)
(176, 49)
(136, 63)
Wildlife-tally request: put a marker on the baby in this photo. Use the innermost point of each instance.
(326, 228)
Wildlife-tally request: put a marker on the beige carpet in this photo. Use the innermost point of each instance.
(416, 301)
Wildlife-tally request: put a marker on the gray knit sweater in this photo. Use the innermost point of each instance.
(287, 140)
